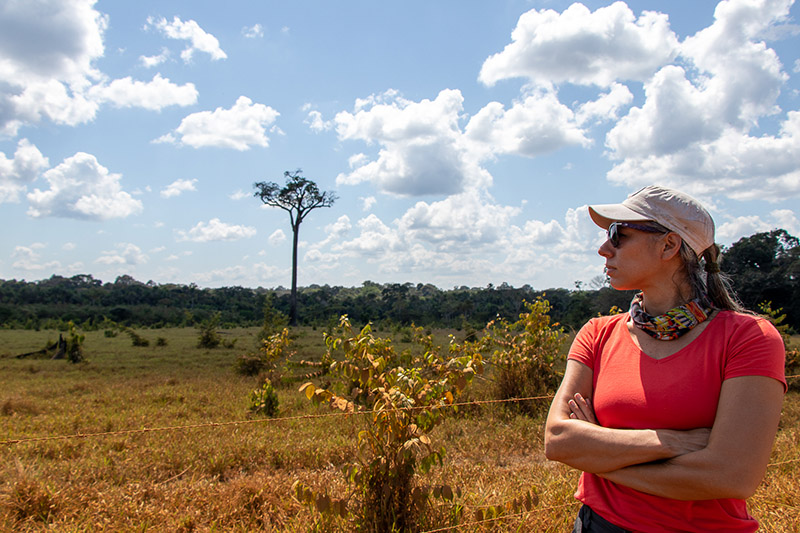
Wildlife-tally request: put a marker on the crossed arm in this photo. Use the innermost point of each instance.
(725, 461)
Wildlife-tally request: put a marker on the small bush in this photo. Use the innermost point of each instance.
(264, 401)
(209, 338)
(525, 354)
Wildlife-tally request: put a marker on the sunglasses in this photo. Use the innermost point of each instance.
(613, 231)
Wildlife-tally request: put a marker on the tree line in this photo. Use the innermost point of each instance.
(764, 267)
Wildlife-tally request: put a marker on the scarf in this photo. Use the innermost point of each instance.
(672, 324)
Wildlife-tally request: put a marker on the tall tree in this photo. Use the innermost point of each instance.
(298, 197)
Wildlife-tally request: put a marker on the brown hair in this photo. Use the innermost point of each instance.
(707, 282)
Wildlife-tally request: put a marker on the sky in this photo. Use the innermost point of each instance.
(464, 139)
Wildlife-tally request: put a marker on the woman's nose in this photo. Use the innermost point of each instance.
(606, 250)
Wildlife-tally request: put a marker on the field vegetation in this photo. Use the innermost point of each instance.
(170, 444)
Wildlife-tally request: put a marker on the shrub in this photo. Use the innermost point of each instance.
(209, 338)
(525, 353)
(273, 349)
(264, 400)
(408, 395)
(74, 349)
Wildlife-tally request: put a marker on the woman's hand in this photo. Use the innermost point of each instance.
(581, 409)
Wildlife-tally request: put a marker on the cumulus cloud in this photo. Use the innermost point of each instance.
(694, 129)
(315, 121)
(368, 202)
(29, 258)
(123, 254)
(198, 39)
(277, 237)
(536, 125)
(734, 229)
(155, 60)
(584, 47)
(153, 95)
(216, 230)
(254, 31)
(240, 127)
(18, 172)
(423, 149)
(177, 187)
(82, 188)
(48, 49)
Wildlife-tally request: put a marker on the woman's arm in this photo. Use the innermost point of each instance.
(582, 444)
(735, 460)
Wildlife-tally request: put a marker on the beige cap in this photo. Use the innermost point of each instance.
(672, 209)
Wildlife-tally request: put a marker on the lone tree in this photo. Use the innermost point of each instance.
(298, 197)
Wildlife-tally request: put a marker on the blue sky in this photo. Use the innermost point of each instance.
(464, 138)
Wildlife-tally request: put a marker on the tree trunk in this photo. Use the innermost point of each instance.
(293, 298)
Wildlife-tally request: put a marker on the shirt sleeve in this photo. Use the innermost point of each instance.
(756, 349)
(583, 346)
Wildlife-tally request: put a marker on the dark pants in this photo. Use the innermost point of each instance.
(590, 522)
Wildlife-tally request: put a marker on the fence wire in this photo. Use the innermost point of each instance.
(487, 521)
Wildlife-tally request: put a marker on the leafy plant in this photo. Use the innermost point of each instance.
(264, 400)
(406, 394)
(74, 349)
(273, 349)
(525, 353)
(777, 316)
(209, 338)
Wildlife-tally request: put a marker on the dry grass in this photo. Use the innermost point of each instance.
(238, 477)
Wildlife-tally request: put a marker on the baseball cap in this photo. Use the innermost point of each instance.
(673, 209)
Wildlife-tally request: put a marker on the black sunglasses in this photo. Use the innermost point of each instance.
(613, 231)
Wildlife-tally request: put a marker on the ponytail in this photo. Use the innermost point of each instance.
(706, 280)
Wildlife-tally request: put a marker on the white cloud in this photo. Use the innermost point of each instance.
(467, 219)
(315, 122)
(606, 106)
(239, 195)
(199, 39)
(251, 32)
(17, 173)
(216, 230)
(29, 258)
(47, 50)
(735, 228)
(124, 254)
(584, 47)
(82, 188)
(177, 187)
(154, 61)
(735, 164)
(240, 127)
(694, 130)
(423, 149)
(153, 95)
(536, 125)
(277, 237)
(367, 202)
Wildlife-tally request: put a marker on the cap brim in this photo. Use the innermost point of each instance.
(603, 215)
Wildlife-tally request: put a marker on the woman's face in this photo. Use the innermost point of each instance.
(635, 263)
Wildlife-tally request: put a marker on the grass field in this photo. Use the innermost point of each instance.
(237, 477)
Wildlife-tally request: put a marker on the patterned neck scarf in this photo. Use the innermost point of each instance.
(672, 324)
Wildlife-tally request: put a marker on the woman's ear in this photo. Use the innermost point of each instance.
(671, 246)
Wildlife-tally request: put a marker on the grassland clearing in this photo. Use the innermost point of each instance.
(226, 476)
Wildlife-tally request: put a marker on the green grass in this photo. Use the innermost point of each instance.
(238, 477)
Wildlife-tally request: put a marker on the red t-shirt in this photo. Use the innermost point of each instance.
(631, 390)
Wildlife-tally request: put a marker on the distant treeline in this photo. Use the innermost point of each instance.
(90, 303)
(763, 268)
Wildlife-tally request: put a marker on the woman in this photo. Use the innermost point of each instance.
(670, 410)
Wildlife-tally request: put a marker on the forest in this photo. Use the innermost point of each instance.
(764, 267)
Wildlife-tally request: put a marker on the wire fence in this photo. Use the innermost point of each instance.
(476, 523)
